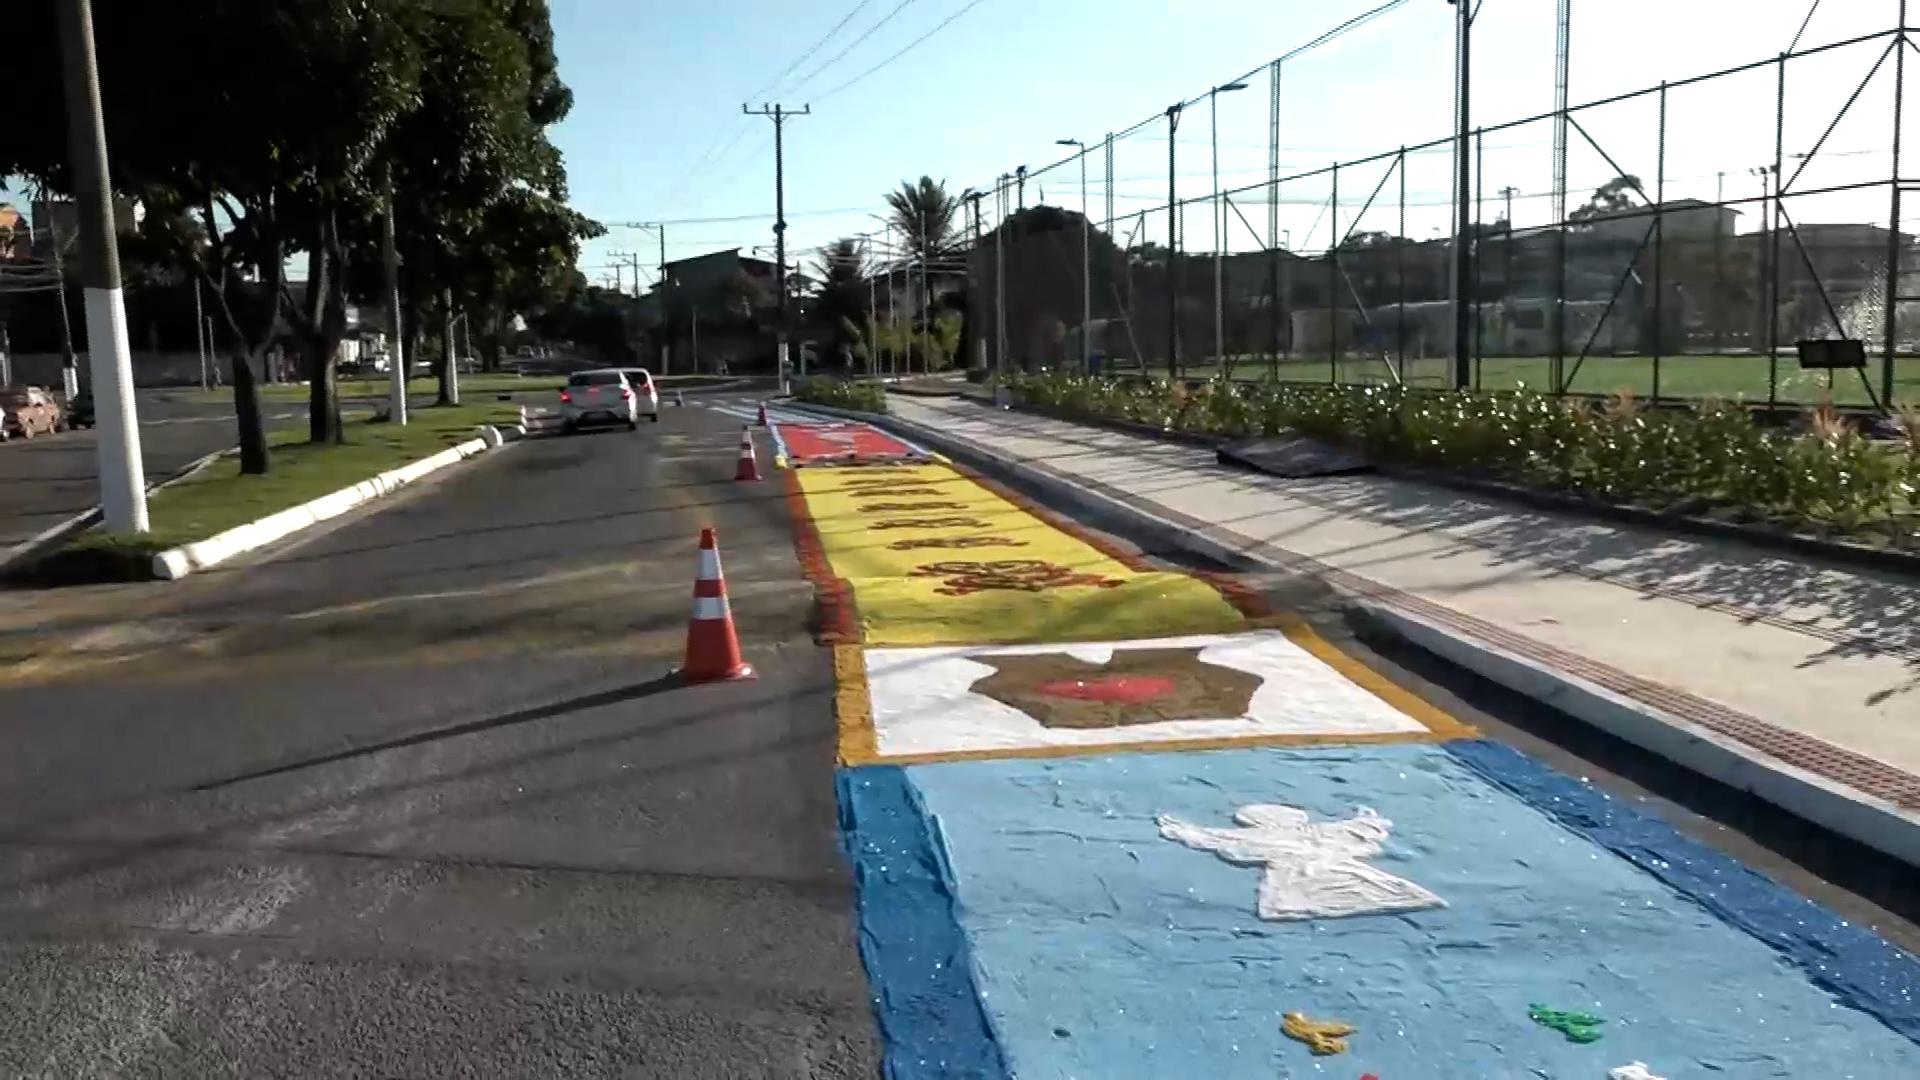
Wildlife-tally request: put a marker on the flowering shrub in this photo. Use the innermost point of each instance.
(1822, 474)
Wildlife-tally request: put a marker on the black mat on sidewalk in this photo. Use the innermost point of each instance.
(1293, 456)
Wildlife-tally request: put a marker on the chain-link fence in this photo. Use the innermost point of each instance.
(1691, 238)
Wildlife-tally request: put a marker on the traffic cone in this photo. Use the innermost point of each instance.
(713, 648)
(749, 469)
(763, 415)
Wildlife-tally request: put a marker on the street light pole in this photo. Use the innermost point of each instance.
(1086, 264)
(123, 493)
(1219, 225)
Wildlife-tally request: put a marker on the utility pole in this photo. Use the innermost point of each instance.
(397, 352)
(1173, 243)
(778, 114)
(69, 368)
(123, 492)
(1463, 213)
(1507, 193)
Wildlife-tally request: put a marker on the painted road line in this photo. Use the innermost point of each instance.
(934, 558)
(1107, 911)
(1265, 687)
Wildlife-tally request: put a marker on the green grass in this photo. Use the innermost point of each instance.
(218, 497)
(1736, 378)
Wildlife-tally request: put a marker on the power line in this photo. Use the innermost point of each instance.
(852, 45)
(1803, 25)
(811, 49)
(903, 51)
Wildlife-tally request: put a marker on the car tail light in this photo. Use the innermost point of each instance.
(565, 397)
(626, 394)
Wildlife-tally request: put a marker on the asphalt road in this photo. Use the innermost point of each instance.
(416, 797)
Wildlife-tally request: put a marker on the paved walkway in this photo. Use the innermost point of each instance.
(1818, 666)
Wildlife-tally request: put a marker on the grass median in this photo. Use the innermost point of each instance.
(218, 497)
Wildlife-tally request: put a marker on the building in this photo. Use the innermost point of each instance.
(62, 218)
(16, 239)
(713, 312)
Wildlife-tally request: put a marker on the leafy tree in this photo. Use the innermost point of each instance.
(1612, 197)
(286, 147)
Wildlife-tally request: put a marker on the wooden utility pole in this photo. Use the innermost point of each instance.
(779, 114)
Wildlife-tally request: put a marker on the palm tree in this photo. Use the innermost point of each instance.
(841, 277)
(923, 213)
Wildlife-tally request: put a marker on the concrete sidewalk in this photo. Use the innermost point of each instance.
(1789, 662)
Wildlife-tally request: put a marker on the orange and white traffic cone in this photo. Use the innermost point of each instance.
(748, 469)
(763, 415)
(713, 648)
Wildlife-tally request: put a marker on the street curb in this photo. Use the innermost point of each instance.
(1875, 822)
(176, 563)
(37, 545)
(1839, 808)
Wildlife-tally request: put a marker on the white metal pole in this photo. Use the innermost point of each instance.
(123, 492)
(200, 333)
(396, 352)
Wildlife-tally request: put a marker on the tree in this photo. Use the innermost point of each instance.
(1612, 197)
(923, 214)
(286, 147)
(840, 296)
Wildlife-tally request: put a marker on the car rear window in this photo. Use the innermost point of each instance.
(595, 378)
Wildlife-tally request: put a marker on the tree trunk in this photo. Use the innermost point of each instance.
(446, 357)
(246, 408)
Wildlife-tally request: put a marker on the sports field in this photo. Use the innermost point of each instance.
(1733, 377)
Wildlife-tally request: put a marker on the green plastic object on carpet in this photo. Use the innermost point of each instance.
(1580, 1027)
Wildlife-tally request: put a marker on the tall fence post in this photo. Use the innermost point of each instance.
(1773, 235)
(1400, 315)
(1273, 220)
(1479, 215)
(1891, 316)
(1659, 242)
(1333, 284)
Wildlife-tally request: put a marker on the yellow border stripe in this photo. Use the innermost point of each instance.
(1435, 719)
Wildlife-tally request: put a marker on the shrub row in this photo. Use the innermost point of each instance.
(858, 394)
(1821, 474)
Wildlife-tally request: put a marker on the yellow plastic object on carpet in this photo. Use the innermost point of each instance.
(936, 559)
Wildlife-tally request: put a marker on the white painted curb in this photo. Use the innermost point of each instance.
(176, 563)
(1844, 810)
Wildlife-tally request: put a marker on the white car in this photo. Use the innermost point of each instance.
(602, 396)
(645, 395)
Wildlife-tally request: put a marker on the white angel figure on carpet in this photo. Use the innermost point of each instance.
(1313, 870)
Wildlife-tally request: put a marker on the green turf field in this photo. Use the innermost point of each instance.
(1698, 376)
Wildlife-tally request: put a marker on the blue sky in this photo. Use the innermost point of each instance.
(656, 131)
(659, 85)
